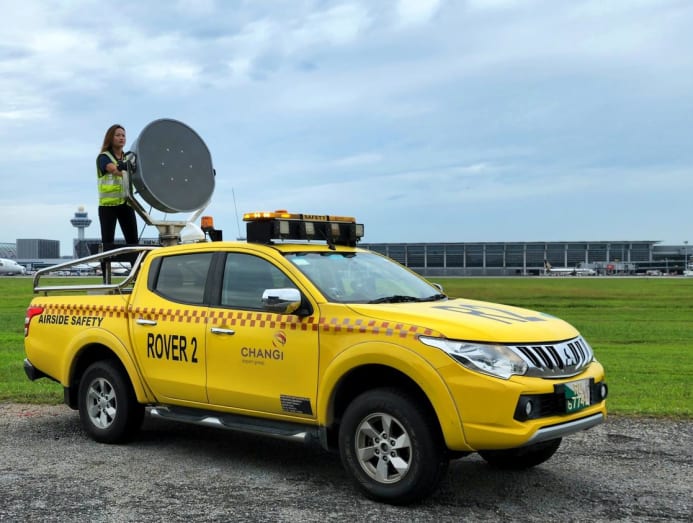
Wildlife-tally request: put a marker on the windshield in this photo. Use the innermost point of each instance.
(361, 277)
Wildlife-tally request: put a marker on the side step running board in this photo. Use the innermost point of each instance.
(278, 429)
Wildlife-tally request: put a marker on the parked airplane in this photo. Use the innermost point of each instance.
(572, 271)
(11, 267)
(117, 269)
(568, 271)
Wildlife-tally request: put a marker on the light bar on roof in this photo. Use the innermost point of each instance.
(265, 226)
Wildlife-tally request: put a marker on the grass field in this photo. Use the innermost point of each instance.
(641, 330)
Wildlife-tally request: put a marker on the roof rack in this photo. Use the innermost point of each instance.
(134, 254)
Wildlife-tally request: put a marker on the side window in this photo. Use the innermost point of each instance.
(182, 277)
(245, 279)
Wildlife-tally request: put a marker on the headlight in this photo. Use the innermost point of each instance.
(494, 360)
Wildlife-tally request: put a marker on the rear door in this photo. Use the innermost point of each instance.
(168, 321)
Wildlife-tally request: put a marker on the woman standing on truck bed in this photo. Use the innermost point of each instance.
(113, 206)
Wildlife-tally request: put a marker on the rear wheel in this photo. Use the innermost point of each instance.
(521, 457)
(108, 407)
(392, 447)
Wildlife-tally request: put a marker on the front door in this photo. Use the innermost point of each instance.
(259, 361)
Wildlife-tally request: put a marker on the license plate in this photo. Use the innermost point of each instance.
(577, 395)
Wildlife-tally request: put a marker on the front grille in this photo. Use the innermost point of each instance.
(556, 360)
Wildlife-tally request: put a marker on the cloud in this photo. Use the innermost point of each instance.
(337, 26)
(358, 160)
(416, 12)
(498, 4)
(494, 113)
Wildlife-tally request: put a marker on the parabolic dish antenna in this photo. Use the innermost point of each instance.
(174, 170)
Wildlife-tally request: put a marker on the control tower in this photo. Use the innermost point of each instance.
(80, 220)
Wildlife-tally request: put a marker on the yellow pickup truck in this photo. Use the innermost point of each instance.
(298, 333)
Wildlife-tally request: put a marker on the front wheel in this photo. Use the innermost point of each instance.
(108, 407)
(521, 457)
(392, 447)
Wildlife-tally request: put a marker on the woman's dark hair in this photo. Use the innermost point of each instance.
(108, 139)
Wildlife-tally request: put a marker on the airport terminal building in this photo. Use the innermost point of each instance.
(462, 258)
(516, 258)
(510, 258)
(495, 258)
(532, 258)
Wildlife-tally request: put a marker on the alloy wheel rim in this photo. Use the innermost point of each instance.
(383, 448)
(101, 403)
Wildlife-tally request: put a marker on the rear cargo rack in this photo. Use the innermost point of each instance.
(136, 253)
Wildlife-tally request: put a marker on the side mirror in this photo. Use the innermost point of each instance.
(281, 301)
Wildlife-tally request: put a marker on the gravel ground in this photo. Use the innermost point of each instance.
(625, 470)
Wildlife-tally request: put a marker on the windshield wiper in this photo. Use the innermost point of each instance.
(435, 297)
(396, 298)
(399, 298)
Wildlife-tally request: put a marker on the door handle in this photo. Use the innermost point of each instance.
(217, 330)
(142, 321)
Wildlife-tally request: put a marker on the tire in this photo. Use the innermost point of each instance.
(108, 408)
(392, 447)
(522, 457)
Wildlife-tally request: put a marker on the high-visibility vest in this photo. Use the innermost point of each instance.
(111, 190)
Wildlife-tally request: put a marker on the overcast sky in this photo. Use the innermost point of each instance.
(428, 120)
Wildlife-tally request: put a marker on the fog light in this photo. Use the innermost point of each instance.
(603, 391)
(529, 407)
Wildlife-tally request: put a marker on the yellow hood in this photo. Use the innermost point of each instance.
(473, 320)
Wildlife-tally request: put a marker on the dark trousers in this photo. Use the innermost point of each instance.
(122, 214)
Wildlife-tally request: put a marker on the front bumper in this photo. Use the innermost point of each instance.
(494, 415)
